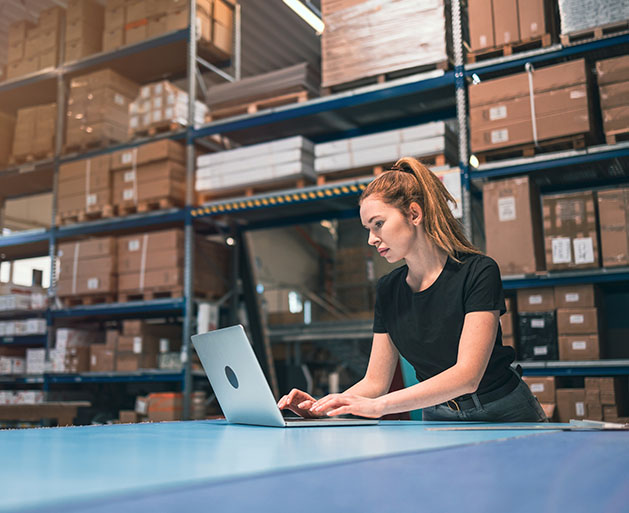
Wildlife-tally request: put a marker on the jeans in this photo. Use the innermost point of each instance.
(520, 405)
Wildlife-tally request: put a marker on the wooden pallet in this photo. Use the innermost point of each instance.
(149, 206)
(156, 128)
(258, 105)
(88, 299)
(150, 294)
(381, 78)
(581, 36)
(572, 142)
(359, 172)
(80, 216)
(15, 160)
(90, 145)
(542, 41)
(251, 190)
(617, 136)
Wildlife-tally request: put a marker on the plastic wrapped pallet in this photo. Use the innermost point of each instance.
(285, 159)
(162, 103)
(578, 15)
(367, 38)
(383, 147)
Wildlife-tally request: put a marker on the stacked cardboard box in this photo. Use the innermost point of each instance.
(571, 404)
(513, 228)
(544, 389)
(17, 63)
(164, 406)
(149, 173)
(140, 344)
(98, 108)
(283, 306)
(501, 114)
(607, 398)
(284, 159)
(87, 268)
(613, 82)
(103, 356)
(494, 23)
(571, 231)
(35, 47)
(151, 263)
(537, 326)
(437, 138)
(22, 327)
(613, 211)
(85, 186)
(7, 131)
(72, 350)
(578, 322)
(162, 103)
(35, 131)
(114, 22)
(84, 29)
(385, 50)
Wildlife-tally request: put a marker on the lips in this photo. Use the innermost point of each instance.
(383, 251)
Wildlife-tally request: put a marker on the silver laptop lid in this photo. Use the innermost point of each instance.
(237, 378)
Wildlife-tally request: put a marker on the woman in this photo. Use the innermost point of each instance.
(440, 311)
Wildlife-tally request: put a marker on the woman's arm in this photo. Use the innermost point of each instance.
(475, 347)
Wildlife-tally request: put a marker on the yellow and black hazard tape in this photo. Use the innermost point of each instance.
(279, 198)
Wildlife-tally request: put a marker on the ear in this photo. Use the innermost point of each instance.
(415, 213)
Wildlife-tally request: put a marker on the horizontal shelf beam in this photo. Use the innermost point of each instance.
(23, 340)
(602, 275)
(116, 377)
(576, 368)
(131, 308)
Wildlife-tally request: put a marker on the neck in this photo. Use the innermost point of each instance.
(425, 264)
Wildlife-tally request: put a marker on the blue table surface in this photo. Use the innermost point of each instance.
(167, 466)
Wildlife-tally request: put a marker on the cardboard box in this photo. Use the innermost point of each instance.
(611, 71)
(136, 31)
(111, 339)
(128, 417)
(115, 16)
(16, 52)
(542, 387)
(77, 359)
(135, 10)
(18, 31)
(508, 340)
(85, 10)
(513, 228)
(505, 14)
(614, 95)
(51, 18)
(571, 231)
(138, 344)
(113, 38)
(536, 300)
(613, 209)
(576, 296)
(609, 391)
(151, 152)
(165, 406)
(7, 131)
(532, 18)
(571, 404)
(93, 284)
(131, 362)
(157, 25)
(576, 321)
(537, 336)
(91, 248)
(49, 59)
(579, 347)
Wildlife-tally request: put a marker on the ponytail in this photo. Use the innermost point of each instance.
(410, 181)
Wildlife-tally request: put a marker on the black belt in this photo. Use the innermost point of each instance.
(466, 402)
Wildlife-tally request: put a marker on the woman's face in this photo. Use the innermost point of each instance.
(390, 231)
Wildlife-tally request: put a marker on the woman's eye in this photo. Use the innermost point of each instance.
(378, 224)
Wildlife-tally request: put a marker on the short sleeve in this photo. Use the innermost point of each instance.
(484, 288)
(378, 317)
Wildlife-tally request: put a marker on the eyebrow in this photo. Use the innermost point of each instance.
(371, 219)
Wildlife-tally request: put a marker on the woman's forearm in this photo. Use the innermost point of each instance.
(368, 388)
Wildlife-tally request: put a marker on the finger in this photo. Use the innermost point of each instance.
(305, 405)
(339, 411)
(325, 400)
(281, 402)
(334, 402)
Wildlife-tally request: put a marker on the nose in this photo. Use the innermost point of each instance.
(372, 240)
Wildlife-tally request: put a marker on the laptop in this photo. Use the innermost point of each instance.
(241, 387)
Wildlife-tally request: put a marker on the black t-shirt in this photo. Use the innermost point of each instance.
(426, 326)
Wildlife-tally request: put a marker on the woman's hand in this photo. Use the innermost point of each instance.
(343, 404)
(298, 402)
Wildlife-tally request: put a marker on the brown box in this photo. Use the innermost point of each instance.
(536, 300)
(532, 18)
(115, 17)
(32, 43)
(128, 417)
(577, 321)
(615, 119)
(80, 48)
(611, 71)
(102, 358)
(51, 18)
(113, 38)
(613, 210)
(505, 14)
(136, 31)
(86, 10)
(107, 78)
(542, 387)
(614, 95)
(151, 279)
(7, 131)
(135, 10)
(157, 25)
(93, 201)
(481, 24)
(151, 152)
(111, 339)
(579, 347)
(131, 362)
(171, 186)
(513, 227)
(571, 231)
(49, 59)
(571, 404)
(82, 268)
(576, 296)
(165, 406)
(138, 344)
(93, 284)
(15, 52)
(77, 359)
(91, 248)
(18, 31)
(85, 29)
(87, 267)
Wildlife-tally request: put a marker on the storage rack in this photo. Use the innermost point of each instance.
(421, 98)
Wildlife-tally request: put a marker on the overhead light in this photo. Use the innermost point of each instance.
(475, 79)
(474, 161)
(230, 241)
(306, 14)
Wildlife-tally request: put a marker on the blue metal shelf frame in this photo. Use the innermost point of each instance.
(140, 308)
(599, 368)
(35, 379)
(602, 275)
(115, 377)
(23, 340)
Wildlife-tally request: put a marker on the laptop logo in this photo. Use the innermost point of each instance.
(231, 376)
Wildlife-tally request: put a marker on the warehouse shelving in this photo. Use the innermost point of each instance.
(23, 340)
(576, 368)
(395, 104)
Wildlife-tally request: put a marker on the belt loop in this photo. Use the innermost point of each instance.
(477, 403)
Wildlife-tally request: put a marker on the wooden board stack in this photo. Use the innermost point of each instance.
(435, 138)
(370, 37)
(266, 163)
